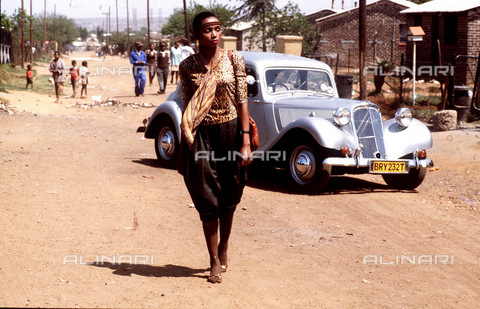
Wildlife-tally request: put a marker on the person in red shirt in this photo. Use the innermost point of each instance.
(74, 74)
(29, 76)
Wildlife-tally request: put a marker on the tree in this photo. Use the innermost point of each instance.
(119, 42)
(59, 28)
(65, 29)
(14, 23)
(175, 25)
(5, 21)
(99, 32)
(83, 33)
(257, 11)
(289, 20)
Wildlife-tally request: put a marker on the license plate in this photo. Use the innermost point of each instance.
(386, 167)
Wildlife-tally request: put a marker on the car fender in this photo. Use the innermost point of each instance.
(325, 133)
(168, 108)
(402, 141)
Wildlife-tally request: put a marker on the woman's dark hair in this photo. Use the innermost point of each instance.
(84, 63)
(197, 20)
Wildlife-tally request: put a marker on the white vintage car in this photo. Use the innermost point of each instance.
(309, 131)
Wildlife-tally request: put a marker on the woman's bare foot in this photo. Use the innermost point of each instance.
(222, 255)
(215, 271)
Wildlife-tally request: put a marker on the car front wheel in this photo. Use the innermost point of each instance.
(305, 168)
(166, 144)
(406, 181)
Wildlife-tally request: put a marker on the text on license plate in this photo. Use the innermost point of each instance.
(388, 166)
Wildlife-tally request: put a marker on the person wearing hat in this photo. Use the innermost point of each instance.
(139, 59)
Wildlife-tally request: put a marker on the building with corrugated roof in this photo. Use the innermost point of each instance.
(386, 33)
(453, 27)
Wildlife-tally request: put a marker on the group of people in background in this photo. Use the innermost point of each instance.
(58, 69)
(161, 62)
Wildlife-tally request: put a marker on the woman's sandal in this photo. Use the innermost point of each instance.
(224, 268)
(215, 278)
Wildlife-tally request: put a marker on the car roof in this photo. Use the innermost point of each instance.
(263, 60)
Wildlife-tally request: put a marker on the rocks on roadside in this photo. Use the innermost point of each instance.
(445, 120)
(3, 108)
(97, 102)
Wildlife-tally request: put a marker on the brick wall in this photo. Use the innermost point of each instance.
(340, 34)
(473, 43)
(436, 27)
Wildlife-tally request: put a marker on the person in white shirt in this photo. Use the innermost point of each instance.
(84, 79)
(186, 50)
(175, 59)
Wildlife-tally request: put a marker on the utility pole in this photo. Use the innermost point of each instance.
(187, 32)
(55, 23)
(45, 24)
(362, 29)
(148, 23)
(128, 32)
(23, 37)
(116, 5)
(31, 33)
(105, 26)
(109, 30)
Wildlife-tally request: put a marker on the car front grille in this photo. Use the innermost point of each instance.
(368, 125)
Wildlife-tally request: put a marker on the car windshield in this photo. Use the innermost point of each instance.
(283, 80)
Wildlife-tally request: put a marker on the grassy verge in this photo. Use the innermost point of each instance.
(13, 78)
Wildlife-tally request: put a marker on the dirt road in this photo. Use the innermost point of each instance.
(78, 185)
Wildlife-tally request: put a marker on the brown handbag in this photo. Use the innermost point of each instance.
(254, 138)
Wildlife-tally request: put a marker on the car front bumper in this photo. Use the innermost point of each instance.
(358, 162)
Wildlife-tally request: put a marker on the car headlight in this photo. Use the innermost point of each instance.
(342, 116)
(404, 117)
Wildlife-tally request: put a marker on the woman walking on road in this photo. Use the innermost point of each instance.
(215, 120)
(151, 62)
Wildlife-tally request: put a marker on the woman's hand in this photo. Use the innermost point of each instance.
(245, 151)
(246, 154)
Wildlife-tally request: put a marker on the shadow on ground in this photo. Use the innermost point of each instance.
(152, 163)
(275, 180)
(168, 270)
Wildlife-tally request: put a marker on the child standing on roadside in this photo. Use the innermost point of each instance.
(74, 73)
(29, 76)
(84, 78)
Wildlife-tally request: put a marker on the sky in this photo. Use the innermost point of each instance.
(95, 8)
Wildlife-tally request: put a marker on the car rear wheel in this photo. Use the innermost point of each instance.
(305, 168)
(166, 144)
(406, 181)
